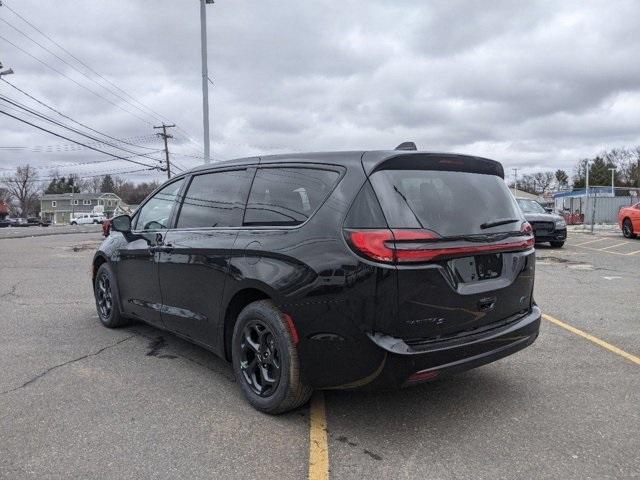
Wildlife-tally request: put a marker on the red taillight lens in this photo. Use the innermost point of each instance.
(526, 228)
(407, 246)
(372, 243)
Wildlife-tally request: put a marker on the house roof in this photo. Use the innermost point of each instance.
(78, 196)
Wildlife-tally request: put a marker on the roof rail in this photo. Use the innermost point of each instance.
(406, 146)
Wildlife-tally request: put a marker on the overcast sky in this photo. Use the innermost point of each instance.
(535, 85)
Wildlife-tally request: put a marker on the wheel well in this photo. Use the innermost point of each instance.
(240, 300)
(96, 265)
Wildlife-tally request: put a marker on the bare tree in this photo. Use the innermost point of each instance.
(23, 187)
(5, 195)
(542, 181)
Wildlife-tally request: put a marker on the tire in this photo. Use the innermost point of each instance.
(261, 333)
(557, 244)
(108, 311)
(627, 229)
(74, 223)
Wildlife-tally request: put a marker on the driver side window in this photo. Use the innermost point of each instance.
(156, 213)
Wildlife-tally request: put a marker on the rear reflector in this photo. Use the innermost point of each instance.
(292, 329)
(406, 246)
(422, 376)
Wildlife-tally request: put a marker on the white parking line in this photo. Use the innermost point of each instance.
(614, 246)
(590, 241)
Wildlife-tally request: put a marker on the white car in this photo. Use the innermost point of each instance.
(87, 218)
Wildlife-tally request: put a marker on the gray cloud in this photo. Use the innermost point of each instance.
(533, 84)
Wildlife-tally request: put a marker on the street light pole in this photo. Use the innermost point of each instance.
(613, 192)
(205, 78)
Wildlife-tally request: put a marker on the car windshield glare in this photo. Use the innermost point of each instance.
(530, 206)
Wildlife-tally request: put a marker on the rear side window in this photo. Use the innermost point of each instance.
(215, 200)
(287, 196)
(447, 203)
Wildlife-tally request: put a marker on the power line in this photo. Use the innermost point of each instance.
(48, 37)
(44, 104)
(74, 141)
(70, 65)
(74, 81)
(92, 70)
(60, 124)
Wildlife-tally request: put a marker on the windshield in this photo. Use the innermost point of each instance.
(530, 206)
(447, 203)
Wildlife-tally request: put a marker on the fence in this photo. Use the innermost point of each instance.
(597, 208)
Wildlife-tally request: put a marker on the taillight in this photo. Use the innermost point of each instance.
(410, 246)
(526, 228)
(372, 243)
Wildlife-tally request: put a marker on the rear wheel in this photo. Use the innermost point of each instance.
(74, 223)
(265, 360)
(556, 244)
(107, 298)
(627, 229)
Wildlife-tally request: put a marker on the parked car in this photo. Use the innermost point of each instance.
(4, 223)
(21, 222)
(629, 220)
(244, 257)
(547, 226)
(37, 221)
(87, 218)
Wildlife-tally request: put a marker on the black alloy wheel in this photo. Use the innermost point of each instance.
(627, 229)
(104, 296)
(265, 359)
(260, 360)
(105, 289)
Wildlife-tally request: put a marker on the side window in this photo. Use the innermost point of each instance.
(156, 213)
(215, 200)
(287, 196)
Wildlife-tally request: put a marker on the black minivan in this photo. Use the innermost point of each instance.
(329, 270)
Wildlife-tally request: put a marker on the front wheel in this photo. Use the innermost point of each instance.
(265, 360)
(627, 229)
(74, 223)
(107, 297)
(557, 244)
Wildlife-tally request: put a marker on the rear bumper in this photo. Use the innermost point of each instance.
(405, 365)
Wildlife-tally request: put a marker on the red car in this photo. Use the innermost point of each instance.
(629, 220)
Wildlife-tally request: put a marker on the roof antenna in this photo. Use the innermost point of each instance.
(406, 146)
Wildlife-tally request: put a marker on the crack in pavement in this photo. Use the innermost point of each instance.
(11, 292)
(50, 369)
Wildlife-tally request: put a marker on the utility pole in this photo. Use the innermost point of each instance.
(515, 183)
(8, 71)
(165, 137)
(205, 78)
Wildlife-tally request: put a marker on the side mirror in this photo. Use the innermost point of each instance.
(121, 223)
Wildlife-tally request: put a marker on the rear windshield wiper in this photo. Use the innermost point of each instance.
(498, 222)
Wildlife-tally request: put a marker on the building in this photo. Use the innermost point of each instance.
(60, 207)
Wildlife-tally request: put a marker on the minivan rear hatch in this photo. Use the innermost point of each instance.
(461, 247)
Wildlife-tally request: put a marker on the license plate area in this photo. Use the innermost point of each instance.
(478, 267)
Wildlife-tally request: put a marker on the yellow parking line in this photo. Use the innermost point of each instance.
(590, 241)
(318, 446)
(593, 339)
(614, 246)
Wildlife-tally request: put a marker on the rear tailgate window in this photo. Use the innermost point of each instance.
(448, 203)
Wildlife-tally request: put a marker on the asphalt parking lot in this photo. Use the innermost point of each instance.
(81, 401)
